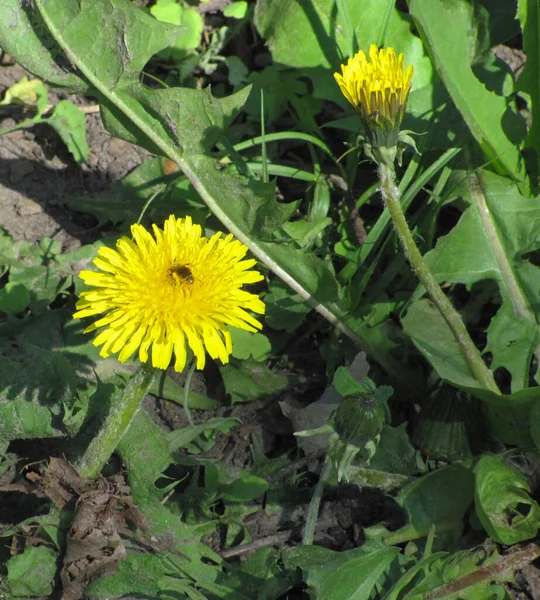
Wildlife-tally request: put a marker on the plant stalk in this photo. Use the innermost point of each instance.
(314, 504)
(453, 319)
(119, 418)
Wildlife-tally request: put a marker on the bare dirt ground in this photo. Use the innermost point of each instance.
(37, 172)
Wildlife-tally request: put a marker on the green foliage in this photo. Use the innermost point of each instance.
(67, 119)
(32, 573)
(503, 504)
(264, 147)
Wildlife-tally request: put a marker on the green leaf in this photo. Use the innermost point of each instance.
(145, 452)
(244, 489)
(69, 121)
(124, 200)
(356, 578)
(439, 499)
(33, 572)
(395, 453)
(36, 386)
(425, 325)
(503, 503)
(491, 241)
(347, 385)
(236, 10)
(247, 345)
(191, 29)
(200, 438)
(285, 310)
(340, 575)
(14, 298)
(250, 380)
(528, 14)
(24, 34)
(165, 387)
(484, 111)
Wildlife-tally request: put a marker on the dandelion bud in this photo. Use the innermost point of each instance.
(358, 419)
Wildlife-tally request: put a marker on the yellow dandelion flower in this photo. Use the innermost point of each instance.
(378, 87)
(169, 291)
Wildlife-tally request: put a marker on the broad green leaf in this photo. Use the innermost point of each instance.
(340, 575)
(503, 502)
(24, 34)
(528, 14)
(236, 10)
(14, 298)
(124, 200)
(191, 22)
(439, 499)
(145, 452)
(250, 380)
(395, 453)
(32, 573)
(247, 345)
(491, 241)
(69, 121)
(285, 310)
(356, 578)
(36, 386)
(484, 111)
(441, 568)
(424, 324)
(244, 489)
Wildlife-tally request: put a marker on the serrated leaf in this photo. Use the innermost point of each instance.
(491, 241)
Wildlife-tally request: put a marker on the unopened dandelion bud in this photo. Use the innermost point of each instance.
(358, 419)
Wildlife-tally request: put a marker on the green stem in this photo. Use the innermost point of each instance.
(116, 423)
(313, 509)
(187, 385)
(453, 319)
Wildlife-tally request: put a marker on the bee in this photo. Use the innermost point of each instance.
(182, 272)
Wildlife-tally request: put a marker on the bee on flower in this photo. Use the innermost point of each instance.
(170, 291)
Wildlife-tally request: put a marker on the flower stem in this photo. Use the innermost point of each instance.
(315, 502)
(187, 385)
(116, 423)
(453, 319)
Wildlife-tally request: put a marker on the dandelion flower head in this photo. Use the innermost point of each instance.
(169, 291)
(377, 87)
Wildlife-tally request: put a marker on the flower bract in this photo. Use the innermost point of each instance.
(377, 87)
(170, 290)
